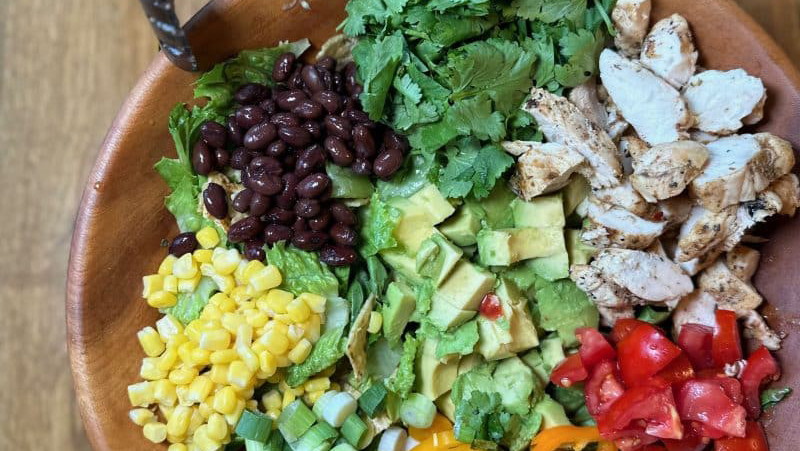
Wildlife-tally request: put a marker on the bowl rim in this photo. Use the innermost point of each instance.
(86, 223)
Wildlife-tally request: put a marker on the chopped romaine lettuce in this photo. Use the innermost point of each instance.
(302, 271)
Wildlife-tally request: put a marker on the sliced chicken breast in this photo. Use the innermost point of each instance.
(698, 307)
(739, 167)
(601, 291)
(756, 327)
(743, 261)
(616, 125)
(721, 101)
(695, 265)
(541, 168)
(561, 122)
(665, 170)
(631, 19)
(609, 316)
(731, 292)
(625, 196)
(611, 226)
(584, 96)
(703, 232)
(788, 190)
(702, 137)
(650, 277)
(628, 147)
(655, 109)
(669, 50)
(675, 210)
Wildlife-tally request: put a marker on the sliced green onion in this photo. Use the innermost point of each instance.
(252, 445)
(338, 408)
(372, 400)
(254, 426)
(319, 437)
(343, 447)
(353, 429)
(323, 401)
(295, 420)
(411, 443)
(393, 439)
(417, 411)
(337, 313)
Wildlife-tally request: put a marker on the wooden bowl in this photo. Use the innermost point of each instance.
(121, 220)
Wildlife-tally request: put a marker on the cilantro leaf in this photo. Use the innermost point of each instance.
(550, 11)
(460, 341)
(582, 48)
(475, 116)
(362, 12)
(473, 168)
(378, 61)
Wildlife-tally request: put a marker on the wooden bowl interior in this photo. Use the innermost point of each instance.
(122, 222)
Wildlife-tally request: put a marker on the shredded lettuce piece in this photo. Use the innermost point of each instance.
(378, 221)
(190, 305)
(460, 341)
(402, 381)
(302, 271)
(326, 352)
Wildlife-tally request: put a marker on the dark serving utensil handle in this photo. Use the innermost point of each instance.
(170, 34)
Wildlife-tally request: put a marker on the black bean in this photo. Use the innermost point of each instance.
(337, 255)
(308, 109)
(283, 67)
(337, 82)
(245, 229)
(285, 119)
(361, 166)
(310, 159)
(387, 163)
(240, 158)
(363, 141)
(356, 116)
(241, 201)
(289, 160)
(320, 222)
(259, 204)
(313, 185)
(357, 90)
(326, 195)
(264, 183)
(295, 136)
(234, 132)
(326, 63)
(343, 214)
(250, 94)
(338, 151)
(275, 149)
(254, 250)
(344, 235)
(268, 106)
(260, 135)
(338, 126)
(306, 208)
(296, 79)
(216, 201)
(265, 164)
(327, 79)
(202, 158)
(309, 240)
(314, 128)
(221, 158)
(300, 225)
(329, 100)
(280, 216)
(392, 140)
(250, 115)
(185, 243)
(312, 78)
(288, 196)
(276, 232)
(213, 134)
(287, 100)
(350, 80)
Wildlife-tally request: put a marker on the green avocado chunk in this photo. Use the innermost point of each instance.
(419, 214)
(498, 215)
(552, 353)
(574, 193)
(551, 268)
(553, 413)
(463, 227)
(403, 264)
(579, 252)
(437, 257)
(517, 383)
(544, 211)
(398, 306)
(458, 297)
(434, 377)
(511, 333)
(348, 185)
(563, 307)
(506, 246)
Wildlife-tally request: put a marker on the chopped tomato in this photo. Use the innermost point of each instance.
(761, 368)
(594, 347)
(695, 339)
(603, 387)
(731, 386)
(491, 307)
(569, 372)
(726, 345)
(634, 439)
(644, 352)
(706, 402)
(753, 441)
(653, 448)
(653, 405)
(678, 370)
(623, 327)
(691, 441)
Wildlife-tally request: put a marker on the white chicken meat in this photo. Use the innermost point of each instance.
(730, 292)
(756, 327)
(625, 196)
(698, 307)
(669, 51)
(722, 101)
(650, 277)
(743, 261)
(611, 226)
(631, 19)
(628, 147)
(788, 190)
(541, 167)
(665, 170)
(584, 96)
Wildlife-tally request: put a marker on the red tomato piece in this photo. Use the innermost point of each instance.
(678, 370)
(653, 448)
(569, 372)
(644, 352)
(651, 404)
(594, 347)
(726, 345)
(491, 307)
(761, 368)
(753, 441)
(691, 442)
(623, 327)
(603, 387)
(706, 402)
(695, 339)
(634, 439)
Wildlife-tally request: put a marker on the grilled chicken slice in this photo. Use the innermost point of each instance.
(788, 190)
(756, 328)
(731, 292)
(631, 19)
(625, 196)
(602, 292)
(702, 137)
(721, 101)
(561, 122)
(584, 96)
(628, 147)
(675, 210)
(611, 226)
(665, 170)
(703, 232)
(647, 276)
(669, 50)
(695, 265)
(609, 316)
(616, 125)
(698, 307)
(541, 168)
(743, 261)
(739, 167)
(655, 109)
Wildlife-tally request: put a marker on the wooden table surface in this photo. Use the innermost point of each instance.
(65, 67)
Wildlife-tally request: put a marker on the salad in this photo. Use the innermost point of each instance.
(467, 225)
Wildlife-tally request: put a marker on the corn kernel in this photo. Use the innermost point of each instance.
(225, 261)
(211, 312)
(171, 284)
(140, 417)
(317, 383)
(162, 299)
(267, 363)
(240, 294)
(217, 427)
(314, 301)
(284, 319)
(165, 412)
(207, 269)
(375, 322)
(176, 440)
(238, 275)
(203, 441)
(244, 393)
(196, 421)
(299, 353)
(239, 374)
(288, 398)
(164, 392)
(188, 285)
(232, 321)
(215, 340)
(227, 305)
(207, 237)
(226, 284)
(183, 396)
(205, 408)
(177, 446)
(150, 370)
(185, 352)
(176, 341)
(277, 377)
(192, 330)
(182, 376)
(251, 404)
(219, 373)
(249, 358)
(178, 423)
(257, 319)
(282, 361)
(151, 284)
(233, 417)
(200, 357)
(313, 396)
(200, 388)
(224, 356)
(313, 328)
(167, 359)
(202, 255)
(225, 400)
(185, 267)
(165, 268)
(276, 342)
(150, 341)
(274, 413)
(168, 326)
(266, 278)
(251, 268)
(155, 432)
(271, 400)
(298, 310)
(296, 332)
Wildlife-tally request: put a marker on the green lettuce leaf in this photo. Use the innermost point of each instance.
(402, 381)
(190, 305)
(326, 352)
(378, 221)
(302, 271)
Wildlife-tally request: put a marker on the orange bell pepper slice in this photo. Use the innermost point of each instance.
(440, 424)
(560, 436)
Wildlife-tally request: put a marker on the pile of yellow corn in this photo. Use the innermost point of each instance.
(198, 379)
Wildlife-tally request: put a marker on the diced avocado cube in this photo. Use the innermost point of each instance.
(434, 377)
(446, 406)
(403, 264)
(574, 193)
(458, 297)
(414, 226)
(552, 352)
(430, 199)
(553, 413)
(493, 339)
(551, 268)
(444, 315)
(469, 362)
(579, 252)
(543, 211)
(563, 307)
(463, 227)
(497, 207)
(517, 383)
(533, 359)
(348, 185)
(513, 332)
(437, 257)
(506, 246)
(398, 305)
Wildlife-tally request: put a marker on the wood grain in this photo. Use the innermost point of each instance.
(65, 68)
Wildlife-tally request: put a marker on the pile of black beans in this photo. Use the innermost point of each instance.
(280, 140)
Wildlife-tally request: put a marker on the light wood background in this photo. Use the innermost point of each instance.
(65, 67)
